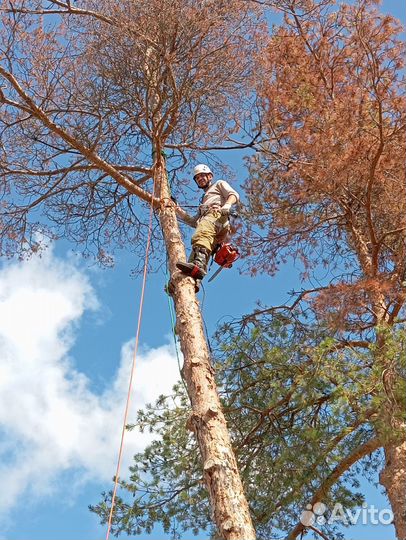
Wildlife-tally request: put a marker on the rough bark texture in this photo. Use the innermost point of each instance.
(393, 478)
(229, 505)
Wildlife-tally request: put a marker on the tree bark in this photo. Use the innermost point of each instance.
(393, 478)
(230, 509)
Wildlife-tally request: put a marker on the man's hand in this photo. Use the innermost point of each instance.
(225, 210)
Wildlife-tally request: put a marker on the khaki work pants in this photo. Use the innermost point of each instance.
(211, 229)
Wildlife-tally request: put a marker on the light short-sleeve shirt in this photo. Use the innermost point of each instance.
(216, 196)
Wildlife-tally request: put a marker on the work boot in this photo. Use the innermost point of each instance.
(197, 265)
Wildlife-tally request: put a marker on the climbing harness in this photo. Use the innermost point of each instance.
(225, 256)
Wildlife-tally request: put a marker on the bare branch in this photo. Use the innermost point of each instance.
(367, 448)
(237, 146)
(317, 531)
(92, 156)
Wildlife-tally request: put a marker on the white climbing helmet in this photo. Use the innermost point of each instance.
(201, 168)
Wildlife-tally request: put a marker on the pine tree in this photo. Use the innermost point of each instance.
(92, 97)
(328, 187)
(303, 414)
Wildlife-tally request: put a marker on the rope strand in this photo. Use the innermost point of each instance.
(127, 407)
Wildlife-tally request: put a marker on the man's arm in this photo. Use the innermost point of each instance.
(230, 194)
(231, 199)
(225, 209)
(186, 218)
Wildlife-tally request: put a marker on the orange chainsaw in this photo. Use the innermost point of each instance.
(224, 257)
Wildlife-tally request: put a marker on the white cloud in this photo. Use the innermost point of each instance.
(50, 420)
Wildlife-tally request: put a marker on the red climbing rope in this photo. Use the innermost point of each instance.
(127, 407)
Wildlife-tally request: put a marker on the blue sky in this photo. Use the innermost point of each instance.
(66, 331)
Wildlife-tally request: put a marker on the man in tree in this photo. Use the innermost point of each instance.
(129, 80)
(212, 220)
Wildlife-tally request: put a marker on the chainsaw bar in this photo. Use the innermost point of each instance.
(216, 273)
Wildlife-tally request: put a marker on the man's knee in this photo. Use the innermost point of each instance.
(206, 243)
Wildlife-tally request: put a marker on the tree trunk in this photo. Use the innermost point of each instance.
(393, 478)
(393, 475)
(229, 506)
